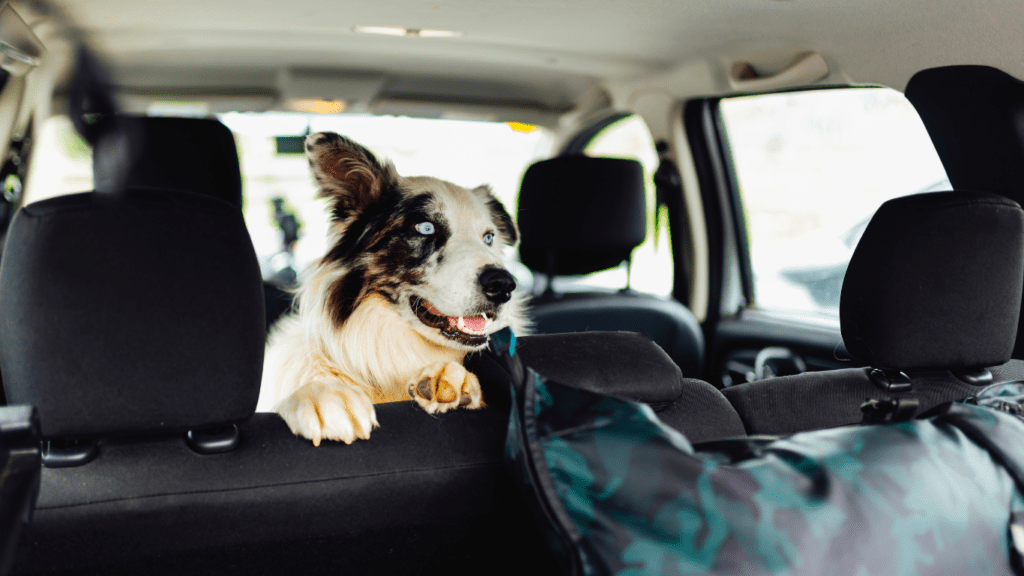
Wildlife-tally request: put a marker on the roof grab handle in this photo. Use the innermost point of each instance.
(20, 49)
(807, 67)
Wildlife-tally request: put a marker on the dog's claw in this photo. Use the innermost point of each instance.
(445, 386)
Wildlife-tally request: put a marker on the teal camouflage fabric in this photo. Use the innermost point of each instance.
(620, 493)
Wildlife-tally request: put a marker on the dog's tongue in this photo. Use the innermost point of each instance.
(474, 323)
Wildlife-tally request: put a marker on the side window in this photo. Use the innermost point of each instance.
(651, 268)
(812, 167)
(61, 162)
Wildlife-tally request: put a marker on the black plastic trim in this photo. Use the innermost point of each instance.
(213, 440)
(69, 453)
(890, 380)
(978, 377)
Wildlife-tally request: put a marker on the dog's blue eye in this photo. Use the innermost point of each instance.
(425, 228)
(488, 238)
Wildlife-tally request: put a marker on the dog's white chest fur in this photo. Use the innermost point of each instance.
(374, 347)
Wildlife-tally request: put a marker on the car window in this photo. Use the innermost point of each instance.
(61, 161)
(651, 268)
(812, 167)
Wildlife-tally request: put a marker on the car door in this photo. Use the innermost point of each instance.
(789, 181)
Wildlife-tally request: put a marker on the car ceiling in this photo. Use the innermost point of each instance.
(546, 54)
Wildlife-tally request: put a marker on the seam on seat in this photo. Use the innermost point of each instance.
(275, 485)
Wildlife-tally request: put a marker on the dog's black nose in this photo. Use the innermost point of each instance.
(498, 285)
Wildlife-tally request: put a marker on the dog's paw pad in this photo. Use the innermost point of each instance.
(444, 386)
(323, 410)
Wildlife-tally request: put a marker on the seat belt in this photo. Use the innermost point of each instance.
(668, 186)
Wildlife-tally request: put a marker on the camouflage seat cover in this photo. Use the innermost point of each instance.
(620, 493)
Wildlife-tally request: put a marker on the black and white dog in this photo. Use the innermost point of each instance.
(413, 281)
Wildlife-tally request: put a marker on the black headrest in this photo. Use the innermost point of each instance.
(975, 117)
(935, 283)
(579, 214)
(131, 313)
(193, 154)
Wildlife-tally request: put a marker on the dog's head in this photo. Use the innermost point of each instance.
(432, 249)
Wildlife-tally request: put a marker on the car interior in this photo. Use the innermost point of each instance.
(757, 218)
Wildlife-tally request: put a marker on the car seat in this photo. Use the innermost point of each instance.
(972, 114)
(579, 215)
(930, 303)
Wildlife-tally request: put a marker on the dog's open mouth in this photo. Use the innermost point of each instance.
(468, 330)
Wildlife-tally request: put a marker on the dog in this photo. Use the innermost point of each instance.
(413, 281)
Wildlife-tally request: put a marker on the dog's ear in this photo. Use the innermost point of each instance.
(502, 221)
(348, 175)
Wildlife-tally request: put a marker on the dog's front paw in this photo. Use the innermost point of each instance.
(329, 410)
(441, 387)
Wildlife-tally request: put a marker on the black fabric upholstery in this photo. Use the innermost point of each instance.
(671, 325)
(420, 481)
(622, 364)
(974, 117)
(193, 154)
(131, 313)
(579, 215)
(817, 400)
(935, 283)
(281, 501)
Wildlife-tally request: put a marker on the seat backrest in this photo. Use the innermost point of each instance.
(930, 302)
(972, 114)
(579, 215)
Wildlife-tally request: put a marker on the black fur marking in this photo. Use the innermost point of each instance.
(383, 249)
(502, 220)
(345, 295)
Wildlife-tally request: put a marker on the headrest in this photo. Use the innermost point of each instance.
(935, 283)
(192, 154)
(974, 117)
(579, 214)
(131, 313)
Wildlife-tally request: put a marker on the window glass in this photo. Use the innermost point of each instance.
(651, 269)
(812, 167)
(61, 161)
